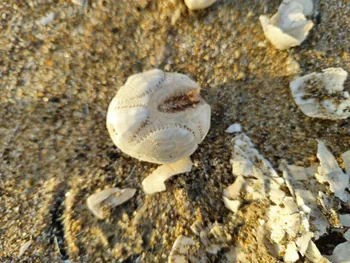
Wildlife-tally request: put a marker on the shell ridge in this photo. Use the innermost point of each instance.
(147, 92)
(168, 126)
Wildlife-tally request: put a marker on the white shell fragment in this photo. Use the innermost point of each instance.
(155, 181)
(329, 172)
(179, 252)
(346, 160)
(307, 5)
(198, 4)
(283, 220)
(345, 219)
(303, 242)
(291, 253)
(47, 19)
(110, 197)
(322, 95)
(233, 205)
(158, 117)
(24, 248)
(341, 253)
(319, 221)
(234, 128)
(82, 3)
(288, 27)
(314, 255)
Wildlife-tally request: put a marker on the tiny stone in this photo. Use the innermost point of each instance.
(236, 127)
(47, 19)
(82, 3)
(24, 248)
(345, 220)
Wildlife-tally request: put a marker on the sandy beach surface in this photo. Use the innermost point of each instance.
(61, 64)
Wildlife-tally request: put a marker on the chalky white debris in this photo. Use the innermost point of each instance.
(24, 248)
(322, 95)
(110, 197)
(47, 19)
(180, 250)
(345, 219)
(160, 118)
(329, 172)
(307, 5)
(287, 220)
(236, 127)
(82, 3)
(288, 27)
(198, 4)
(346, 160)
(301, 184)
(341, 253)
(155, 182)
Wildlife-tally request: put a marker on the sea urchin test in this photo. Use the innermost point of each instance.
(160, 118)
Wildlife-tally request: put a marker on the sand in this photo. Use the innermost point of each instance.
(56, 81)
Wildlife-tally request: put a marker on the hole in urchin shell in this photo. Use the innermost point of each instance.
(181, 102)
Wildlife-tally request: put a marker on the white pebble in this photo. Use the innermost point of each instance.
(47, 19)
(234, 128)
(24, 248)
(198, 4)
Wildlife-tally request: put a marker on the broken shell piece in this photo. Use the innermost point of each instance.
(234, 128)
(347, 235)
(341, 253)
(288, 27)
(47, 19)
(155, 181)
(179, 252)
(307, 5)
(322, 95)
(299, 173)
(346, 160)
(234, 190)
(345, 220)
(233, 205)
(303, 242)
(314, 255)
(291, 253)
(110, 197)
(24, 248)
(82, 3)
(282, 221)
(319, 221)
(198, 4)
(329, 172)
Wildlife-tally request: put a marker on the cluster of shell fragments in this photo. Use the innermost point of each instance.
(288, 27)
(294, 217)
(322, 95)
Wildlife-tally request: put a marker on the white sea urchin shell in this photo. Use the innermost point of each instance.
(158, 117)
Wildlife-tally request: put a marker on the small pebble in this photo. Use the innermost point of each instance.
(24, 248)
(234, 128)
